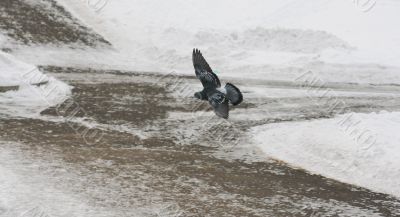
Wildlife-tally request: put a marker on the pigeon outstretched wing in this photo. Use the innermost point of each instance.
(204, 72)
(220, 104)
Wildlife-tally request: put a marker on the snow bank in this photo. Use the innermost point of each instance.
(251, 37)
(30, 98)
(361, 149)
(14, 72)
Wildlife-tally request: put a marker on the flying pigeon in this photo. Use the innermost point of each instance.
(218, 97)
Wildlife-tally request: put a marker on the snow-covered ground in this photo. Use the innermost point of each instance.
(339, 41)
(345, 40)
(15, 72)
(361, 149)
(29, 99)
(32, 185)
(23, 192)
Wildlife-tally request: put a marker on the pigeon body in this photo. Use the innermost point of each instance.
(219, 98)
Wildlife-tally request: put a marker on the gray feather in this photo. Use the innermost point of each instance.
(220, 104)
(204, 72)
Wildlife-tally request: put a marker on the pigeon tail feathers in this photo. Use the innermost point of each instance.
(233, 94)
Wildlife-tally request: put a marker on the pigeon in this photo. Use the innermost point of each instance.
(219, 98)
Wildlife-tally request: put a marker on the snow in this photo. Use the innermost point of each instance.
(28, 188)
(13, 71)
(23, 192)
(339, 41)
(242, 37)
(361, 149)
(36, 183)
(29, 99)
(2, 39)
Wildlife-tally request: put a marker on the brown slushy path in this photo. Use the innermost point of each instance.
(154, 157)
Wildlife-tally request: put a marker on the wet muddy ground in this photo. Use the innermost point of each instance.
(151, 149)
(135, 144)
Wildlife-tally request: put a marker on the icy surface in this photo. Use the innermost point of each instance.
(14, 72)
(35, 91)
(32, 186)
(346, 41)
(362, 149)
